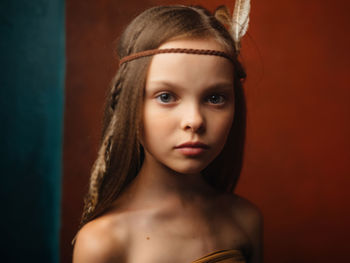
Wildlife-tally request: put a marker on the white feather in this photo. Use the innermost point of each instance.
(240, 19)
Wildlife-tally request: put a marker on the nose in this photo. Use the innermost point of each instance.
(193, 119)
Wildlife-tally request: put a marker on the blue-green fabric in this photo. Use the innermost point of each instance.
(32, 64)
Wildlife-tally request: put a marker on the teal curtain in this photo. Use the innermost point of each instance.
(32, 65)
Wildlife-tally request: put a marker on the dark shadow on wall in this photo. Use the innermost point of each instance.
(32, 66)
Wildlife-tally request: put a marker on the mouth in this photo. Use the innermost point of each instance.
(193, 145)
(192, 148)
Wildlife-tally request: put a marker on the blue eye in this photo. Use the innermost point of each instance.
(165, 97)
(216, 99)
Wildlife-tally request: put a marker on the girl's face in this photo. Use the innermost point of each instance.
(188, 99)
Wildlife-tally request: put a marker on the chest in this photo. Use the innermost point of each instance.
(183, 239)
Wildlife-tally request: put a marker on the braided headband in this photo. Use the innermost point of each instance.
(176, 50)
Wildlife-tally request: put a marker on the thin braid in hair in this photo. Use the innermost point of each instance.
(116, 89)
(99, 170)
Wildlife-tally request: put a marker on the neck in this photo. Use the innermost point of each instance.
(156, 183)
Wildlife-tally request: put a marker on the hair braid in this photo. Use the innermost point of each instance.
(99, 169)
(110, 137)
(116, 89)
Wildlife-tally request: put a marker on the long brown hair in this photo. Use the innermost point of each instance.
(120, 155)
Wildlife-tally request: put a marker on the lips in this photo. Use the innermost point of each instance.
(193, 145)
(192, 149)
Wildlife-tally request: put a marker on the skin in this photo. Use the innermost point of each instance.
(168, 213)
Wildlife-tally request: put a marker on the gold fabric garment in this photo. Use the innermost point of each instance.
(223, 256)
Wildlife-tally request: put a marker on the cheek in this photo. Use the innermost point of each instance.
(155, 128)
(156, 124)
(221, 128)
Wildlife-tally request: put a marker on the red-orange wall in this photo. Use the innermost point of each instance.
(298, 149)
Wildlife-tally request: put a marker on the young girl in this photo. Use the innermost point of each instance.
(172, 145)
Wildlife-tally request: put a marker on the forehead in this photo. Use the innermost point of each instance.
(190, 69)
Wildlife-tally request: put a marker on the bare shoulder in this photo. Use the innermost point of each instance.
(100, 241)
(246, 213)
(250, 219)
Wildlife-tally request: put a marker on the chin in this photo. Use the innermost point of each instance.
(188, 169)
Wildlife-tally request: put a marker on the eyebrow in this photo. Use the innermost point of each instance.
(219, 85)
